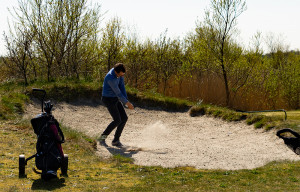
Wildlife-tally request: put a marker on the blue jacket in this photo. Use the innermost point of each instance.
(114, 87)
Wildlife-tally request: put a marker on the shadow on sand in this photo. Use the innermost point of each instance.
(129, 151)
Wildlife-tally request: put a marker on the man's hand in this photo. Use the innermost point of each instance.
(129, 105)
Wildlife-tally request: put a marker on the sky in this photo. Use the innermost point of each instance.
(152, 17)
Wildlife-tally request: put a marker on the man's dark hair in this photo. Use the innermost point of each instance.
(119, 67)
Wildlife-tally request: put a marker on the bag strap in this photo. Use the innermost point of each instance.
(287, 130)
(59, 131)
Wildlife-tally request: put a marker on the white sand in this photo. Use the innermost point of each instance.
(172, 139)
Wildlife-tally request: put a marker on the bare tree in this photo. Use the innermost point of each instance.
(161, 50)
(19, 51)
(135, 53)
(60, 27)
(112, 42)
(79, 28)
(173, 62)
(222, 21)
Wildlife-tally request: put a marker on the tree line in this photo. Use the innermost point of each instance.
(53, 39)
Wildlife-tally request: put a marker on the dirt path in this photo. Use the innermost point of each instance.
(172, 139)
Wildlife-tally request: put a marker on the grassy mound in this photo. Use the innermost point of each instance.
(259, 120)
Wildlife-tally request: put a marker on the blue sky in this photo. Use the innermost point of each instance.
(150, 18)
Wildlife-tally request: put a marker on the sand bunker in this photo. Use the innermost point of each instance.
(172, 139)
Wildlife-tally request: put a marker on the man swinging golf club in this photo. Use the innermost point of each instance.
(113, 93)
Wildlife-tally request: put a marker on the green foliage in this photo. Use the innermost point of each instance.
(56, 40)
(221, 21)
(112, 44)
(52, 38)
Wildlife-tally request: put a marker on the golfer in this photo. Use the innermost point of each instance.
(114, 97)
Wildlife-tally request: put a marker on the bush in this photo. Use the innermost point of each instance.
(197, 111)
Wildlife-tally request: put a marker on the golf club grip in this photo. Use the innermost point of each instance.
(39, 90)
(36, 89)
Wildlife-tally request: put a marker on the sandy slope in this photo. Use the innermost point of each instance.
(171, 139)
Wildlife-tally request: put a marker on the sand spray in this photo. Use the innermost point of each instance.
(153, 136)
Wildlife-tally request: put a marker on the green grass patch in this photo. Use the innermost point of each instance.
(217, 112)
(12, 104)
(68, 90)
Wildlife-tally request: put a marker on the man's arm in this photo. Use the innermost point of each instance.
(122, 87)
(123, 91)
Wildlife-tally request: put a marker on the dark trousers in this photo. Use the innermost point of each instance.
(118, 114)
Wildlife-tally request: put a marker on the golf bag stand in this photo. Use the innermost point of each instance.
(49, 156)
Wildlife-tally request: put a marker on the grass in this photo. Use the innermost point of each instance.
(88, 172)
(12, 101)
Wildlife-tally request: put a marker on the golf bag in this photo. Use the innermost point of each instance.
(49, 155)
(292, 142)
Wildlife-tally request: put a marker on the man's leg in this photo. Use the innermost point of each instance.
(123, 116)
(114, 112)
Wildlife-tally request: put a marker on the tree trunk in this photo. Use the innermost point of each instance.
(226, 85)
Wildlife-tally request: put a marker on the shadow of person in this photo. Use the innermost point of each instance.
(50, 185)
(129, 151)
(122, 151)
(292, 142)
